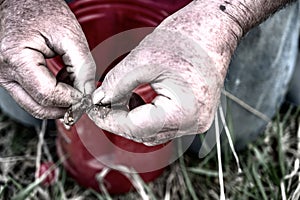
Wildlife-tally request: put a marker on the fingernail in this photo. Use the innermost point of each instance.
(97, 96)
(89, 87)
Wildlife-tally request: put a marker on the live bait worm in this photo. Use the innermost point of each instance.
(75, 112)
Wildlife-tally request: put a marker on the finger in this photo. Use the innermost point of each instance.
(79, 61)
(150, 123)
(30, 105)
(171, 114)
(125, 77)
(40, 83)
(75, 53)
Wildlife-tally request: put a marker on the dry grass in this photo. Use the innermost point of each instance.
(270, 168)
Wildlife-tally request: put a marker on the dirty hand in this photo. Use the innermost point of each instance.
(185, 61)
(30, 32)
(181, 70)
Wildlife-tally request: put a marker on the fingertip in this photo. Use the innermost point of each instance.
(50, 113)
(63, 95)
(89, 87)
(97, 96)
(31, 106)
(81, 64)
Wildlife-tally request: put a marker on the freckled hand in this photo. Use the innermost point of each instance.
(31, 31)
(185, 60)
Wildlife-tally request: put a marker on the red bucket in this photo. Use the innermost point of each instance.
(89, 148)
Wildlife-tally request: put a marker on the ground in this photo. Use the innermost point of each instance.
(270, 167)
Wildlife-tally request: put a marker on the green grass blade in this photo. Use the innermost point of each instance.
(280, 148)
(259, 183)
(205, 172)
(185, 174)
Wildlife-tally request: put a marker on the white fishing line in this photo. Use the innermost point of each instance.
(228, 135)
(217, 131)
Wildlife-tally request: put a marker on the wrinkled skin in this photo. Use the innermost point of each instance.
(30, 31)
(185, 61)
(185, 71)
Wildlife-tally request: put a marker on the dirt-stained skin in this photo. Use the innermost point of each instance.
(30, 31)
(185, 59)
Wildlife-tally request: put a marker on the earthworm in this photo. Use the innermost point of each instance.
(75, 112)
